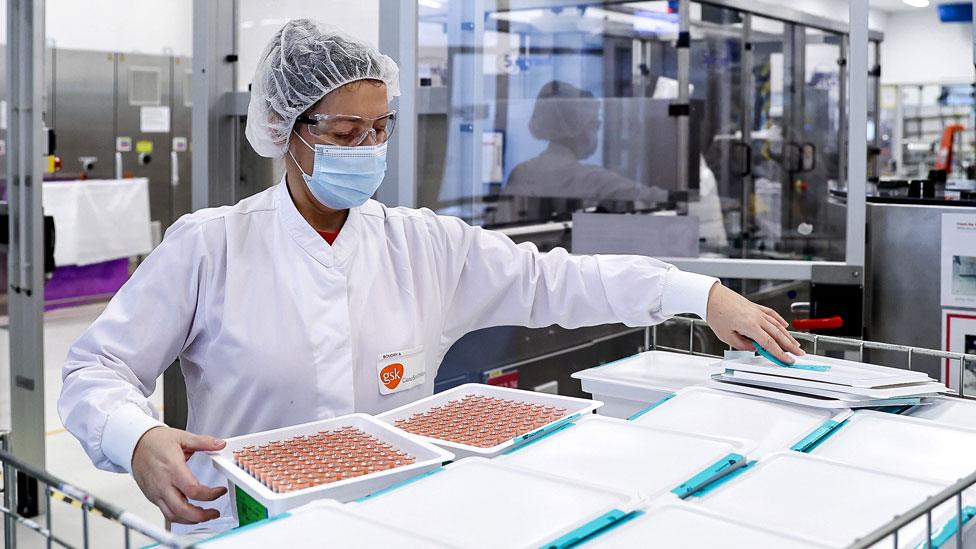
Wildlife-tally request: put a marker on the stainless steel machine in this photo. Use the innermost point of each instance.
(904, 276)
(121, 115)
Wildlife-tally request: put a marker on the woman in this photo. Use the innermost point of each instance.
(287, 307)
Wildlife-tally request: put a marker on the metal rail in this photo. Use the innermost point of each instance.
(53, 486)
(817, 339)
(892, 528)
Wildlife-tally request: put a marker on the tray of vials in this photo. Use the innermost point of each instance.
(484, 420)
(343, 458)
(628, 385)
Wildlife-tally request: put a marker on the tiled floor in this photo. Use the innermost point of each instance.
(65, 457)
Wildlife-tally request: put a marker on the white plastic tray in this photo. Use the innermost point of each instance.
(820, 388)
(904, 445)
(427, 457)
(619, 454)
(575, 408)
(947, 410)
(685, 525)
(630, 384)
(841, 372)
(491, 505)
(800, 398)
(332, 524)
(824, 500)
(771, 425)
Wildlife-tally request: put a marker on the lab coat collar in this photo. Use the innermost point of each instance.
(311, 241)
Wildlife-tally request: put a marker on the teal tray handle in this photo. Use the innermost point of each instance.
(400, 484)
(768, 356)
(587, 530)
(651, 407)
(808, 443)
(716, 470)
(522, 439)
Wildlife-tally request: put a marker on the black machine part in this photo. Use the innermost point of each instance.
(48, 237)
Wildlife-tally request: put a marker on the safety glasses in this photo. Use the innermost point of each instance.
(349, 131)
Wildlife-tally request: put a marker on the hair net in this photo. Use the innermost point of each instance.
(562, 112)
(303, 62)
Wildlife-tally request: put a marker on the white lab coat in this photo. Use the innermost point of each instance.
(274, 327)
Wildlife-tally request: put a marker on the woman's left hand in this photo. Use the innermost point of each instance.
(738, 322)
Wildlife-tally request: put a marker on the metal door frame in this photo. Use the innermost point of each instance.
(25, 261)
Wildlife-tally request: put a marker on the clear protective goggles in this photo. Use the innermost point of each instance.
(347, 130)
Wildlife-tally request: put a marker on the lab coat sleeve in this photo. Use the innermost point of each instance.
(112, 368)
(494, 282)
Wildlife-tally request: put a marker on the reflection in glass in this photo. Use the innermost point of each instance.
(553, 110)
(557, 180)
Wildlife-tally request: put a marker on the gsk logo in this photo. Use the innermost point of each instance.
(391, 375)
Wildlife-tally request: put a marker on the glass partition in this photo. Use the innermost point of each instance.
(529, 115)
(718, 95)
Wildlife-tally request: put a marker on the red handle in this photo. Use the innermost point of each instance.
(830, 323)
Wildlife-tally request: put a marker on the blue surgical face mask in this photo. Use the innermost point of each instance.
(344, 177)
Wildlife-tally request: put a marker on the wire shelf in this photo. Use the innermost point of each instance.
(57, 491)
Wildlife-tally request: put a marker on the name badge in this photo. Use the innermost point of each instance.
(400, 370)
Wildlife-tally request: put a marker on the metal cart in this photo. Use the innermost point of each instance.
(56, 490)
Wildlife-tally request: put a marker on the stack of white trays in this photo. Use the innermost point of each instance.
(770, 424)
(824, 382)
(630, 384)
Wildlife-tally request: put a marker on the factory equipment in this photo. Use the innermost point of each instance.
(121, 115)
(926, 125)
(944, 155)
(903, 269)
(83, 94)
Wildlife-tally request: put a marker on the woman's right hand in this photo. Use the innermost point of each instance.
(159, 467)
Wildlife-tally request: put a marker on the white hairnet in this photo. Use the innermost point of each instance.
(304, 61)
(563, 112)
(566, 115)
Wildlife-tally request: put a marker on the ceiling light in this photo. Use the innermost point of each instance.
(430, 4)
(917, 3)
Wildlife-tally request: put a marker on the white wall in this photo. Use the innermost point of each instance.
(918, 48)
(121, 25)
(833, 9)
(167, 26)
(260, 19)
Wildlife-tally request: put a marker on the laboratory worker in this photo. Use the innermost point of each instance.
(288, 306)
